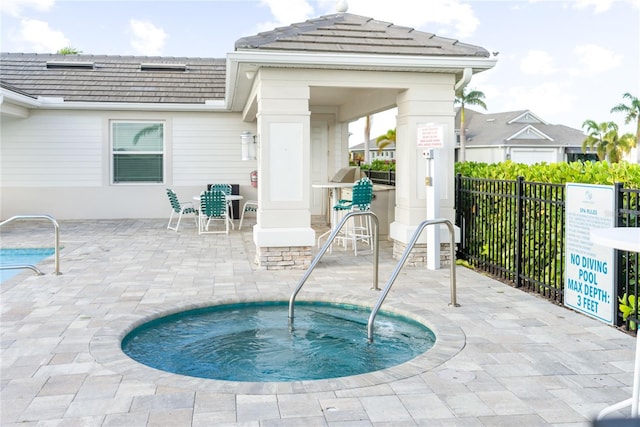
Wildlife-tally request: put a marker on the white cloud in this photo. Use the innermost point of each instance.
(15, 7)
(40, 38)
(598, 6)
(538, 62)
(453, 17)
(595, 59)
(286, 12)
(147, 38)
(544, 100)
(289, 11)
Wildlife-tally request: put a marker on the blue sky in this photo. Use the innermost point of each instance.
(567, 61)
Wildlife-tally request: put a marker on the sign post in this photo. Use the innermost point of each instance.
(589, 268)
(430, 138)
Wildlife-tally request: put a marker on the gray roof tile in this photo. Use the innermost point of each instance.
(102, 78)
(347, 33)
(114, 78)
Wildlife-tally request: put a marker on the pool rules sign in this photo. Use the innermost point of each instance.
(589, 269)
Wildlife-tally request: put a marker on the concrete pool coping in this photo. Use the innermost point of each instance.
(105, 347)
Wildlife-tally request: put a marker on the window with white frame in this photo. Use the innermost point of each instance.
(137, 152)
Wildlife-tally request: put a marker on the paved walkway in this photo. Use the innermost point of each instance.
(503, 358)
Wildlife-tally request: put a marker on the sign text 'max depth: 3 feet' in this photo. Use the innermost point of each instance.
(589, 268)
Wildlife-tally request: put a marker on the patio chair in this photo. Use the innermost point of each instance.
(249, 206)
(213, 207)
(226, 189)
(358, 229)
(180, 209)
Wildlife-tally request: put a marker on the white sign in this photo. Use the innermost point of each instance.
(589, 268)
(430, 136)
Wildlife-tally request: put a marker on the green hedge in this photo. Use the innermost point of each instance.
(556, 173)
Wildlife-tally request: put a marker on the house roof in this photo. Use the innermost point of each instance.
(373, 146)
(516, 128)
(101, 78)
(347, 33)
(194, 81)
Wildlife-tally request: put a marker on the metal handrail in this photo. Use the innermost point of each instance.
(21, 266)
(403, 259)
(326, 246)
(56, 242)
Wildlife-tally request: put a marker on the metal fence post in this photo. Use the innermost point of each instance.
(519, 230)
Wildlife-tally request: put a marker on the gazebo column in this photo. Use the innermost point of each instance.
(283, 235)
(428, 105)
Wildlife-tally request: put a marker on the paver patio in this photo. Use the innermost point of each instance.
(503, 358)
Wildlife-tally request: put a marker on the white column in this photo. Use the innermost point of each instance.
(428, 105)
(284, 217)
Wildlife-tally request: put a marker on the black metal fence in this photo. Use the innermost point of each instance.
(515, 231)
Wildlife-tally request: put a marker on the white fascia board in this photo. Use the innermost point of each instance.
(360, 61)
(7, 96)
(126, 106)
(257, 59)
(529, 128)
(516, 146)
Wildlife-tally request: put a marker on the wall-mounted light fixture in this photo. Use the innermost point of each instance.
(248, 141)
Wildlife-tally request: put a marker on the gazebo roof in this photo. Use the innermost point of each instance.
(348, 33)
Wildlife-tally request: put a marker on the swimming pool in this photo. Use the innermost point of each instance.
(21, 256)
(255, 342)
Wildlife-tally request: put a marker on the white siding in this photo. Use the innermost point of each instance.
(532, 156)
(484, 154)
(206, 150)
(58, 163)
(52, 149)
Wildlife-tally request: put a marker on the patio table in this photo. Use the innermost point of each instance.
(625, 239)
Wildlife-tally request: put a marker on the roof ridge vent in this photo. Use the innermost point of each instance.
(150, 66)
(70, 65)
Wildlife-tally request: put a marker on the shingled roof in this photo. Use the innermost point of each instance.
(347, 33)
(100, 78)
(191, 81)
(515, 128)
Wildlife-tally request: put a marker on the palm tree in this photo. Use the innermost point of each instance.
(605, 139)
(632, 112)
(367, 135)
(384, 140)
(474, 97)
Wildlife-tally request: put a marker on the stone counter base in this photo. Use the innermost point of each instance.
(284, 258)
(418, 255)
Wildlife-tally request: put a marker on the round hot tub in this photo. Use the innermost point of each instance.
(256, 342)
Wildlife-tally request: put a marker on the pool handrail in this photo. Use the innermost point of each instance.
(326, 246)
(403, 259)
(22, 266)
(56, 242)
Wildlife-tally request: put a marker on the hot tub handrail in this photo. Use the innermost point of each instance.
(22, 266)
(326, 246)
(403, 259)
(56, 242)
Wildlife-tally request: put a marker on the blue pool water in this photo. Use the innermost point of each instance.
(21, 256)
(253, 342)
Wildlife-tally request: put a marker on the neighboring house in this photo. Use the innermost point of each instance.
(94, 136)
(520, 136)
(356, 152)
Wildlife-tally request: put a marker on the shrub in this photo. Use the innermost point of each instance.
(556, 173)
(380, 165)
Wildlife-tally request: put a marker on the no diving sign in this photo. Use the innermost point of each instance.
(430, 136)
